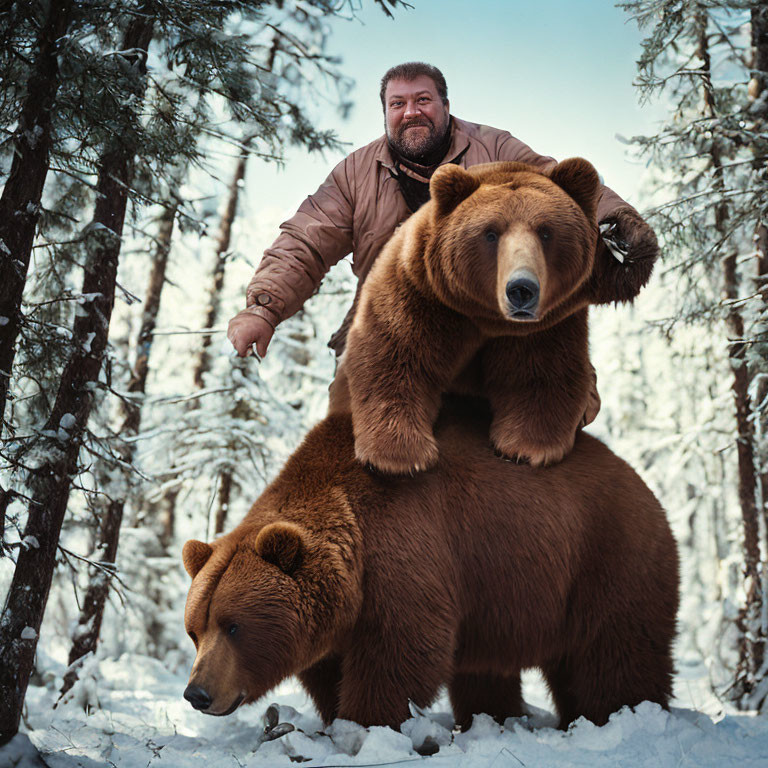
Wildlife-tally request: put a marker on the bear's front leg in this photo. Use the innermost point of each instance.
(539, 389)
(388, 667)
(322, 682)
(396, 373)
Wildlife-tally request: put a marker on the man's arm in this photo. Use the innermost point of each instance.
(611, 279)
(310, 243)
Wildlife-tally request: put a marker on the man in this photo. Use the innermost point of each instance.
(358, 207)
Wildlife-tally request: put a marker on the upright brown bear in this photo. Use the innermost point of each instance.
(494, 270)
(376, 589)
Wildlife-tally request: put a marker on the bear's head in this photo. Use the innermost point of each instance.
(510, 243)
(265, 603)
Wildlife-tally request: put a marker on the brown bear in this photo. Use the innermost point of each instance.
(378, 589)
(492, 275)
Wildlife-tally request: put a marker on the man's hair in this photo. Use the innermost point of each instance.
(409, 72)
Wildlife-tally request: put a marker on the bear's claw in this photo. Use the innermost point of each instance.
(535, 455)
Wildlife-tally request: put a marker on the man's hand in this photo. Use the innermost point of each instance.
(246, 329)
(615, 280)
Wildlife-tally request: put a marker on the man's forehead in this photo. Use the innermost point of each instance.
(399, 87)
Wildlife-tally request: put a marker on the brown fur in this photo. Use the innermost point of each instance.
(435, 306)
(377, 589)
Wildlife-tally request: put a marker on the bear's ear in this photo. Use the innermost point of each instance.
(281, 544)
(449, 185)
(581, 181)
(195, 555)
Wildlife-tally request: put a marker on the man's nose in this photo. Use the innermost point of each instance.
(412, 109)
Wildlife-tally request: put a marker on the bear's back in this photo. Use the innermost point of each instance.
(498, 539)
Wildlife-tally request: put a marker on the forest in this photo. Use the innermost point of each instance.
(127, 130)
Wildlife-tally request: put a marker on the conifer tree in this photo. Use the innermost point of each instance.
(712, 154)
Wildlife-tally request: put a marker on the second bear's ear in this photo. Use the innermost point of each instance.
(580, 180)
(449, 185)
(195, 555)
(281, 544)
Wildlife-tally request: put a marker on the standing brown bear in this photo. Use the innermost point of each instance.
(491, 275)
(377, 589)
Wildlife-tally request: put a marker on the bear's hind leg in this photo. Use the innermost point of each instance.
(609, 676)
(322, 681)
(499, 696)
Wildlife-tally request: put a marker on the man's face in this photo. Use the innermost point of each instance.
(415, 117)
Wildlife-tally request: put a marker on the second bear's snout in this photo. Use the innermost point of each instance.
(198, 697)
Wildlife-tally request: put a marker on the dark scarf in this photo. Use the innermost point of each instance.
(416, 191)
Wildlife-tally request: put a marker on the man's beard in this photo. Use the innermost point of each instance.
(418, 145)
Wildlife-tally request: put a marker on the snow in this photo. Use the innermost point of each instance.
(83, 298)
(4, 320)
(139, 718)
(28, 633)
(33, 135)
(67, 421)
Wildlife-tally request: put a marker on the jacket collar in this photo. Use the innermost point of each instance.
(458, 145)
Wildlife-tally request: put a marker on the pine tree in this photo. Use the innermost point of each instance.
(713, 152)
(22, 194)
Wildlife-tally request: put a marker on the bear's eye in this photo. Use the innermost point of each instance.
(232, 630)
(491, 236)
(544, 233)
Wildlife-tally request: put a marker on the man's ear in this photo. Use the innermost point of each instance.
(449, 185)
(195, 555)
(283, 545)
(580, 180)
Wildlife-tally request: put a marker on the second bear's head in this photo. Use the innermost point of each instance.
(512, 243)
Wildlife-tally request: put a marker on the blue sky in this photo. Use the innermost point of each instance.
(556, 73)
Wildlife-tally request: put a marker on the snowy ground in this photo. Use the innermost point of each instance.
(142, 721)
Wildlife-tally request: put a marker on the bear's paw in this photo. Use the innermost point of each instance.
(397, 452)
(521, 449)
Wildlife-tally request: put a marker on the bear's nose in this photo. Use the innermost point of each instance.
(198, 697)
(523, 293)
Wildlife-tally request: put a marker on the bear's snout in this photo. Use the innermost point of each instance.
(198, 697)
(523, 291)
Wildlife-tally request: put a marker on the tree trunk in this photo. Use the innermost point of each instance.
(168, 517)
(23, 191)
(750, 647)
(50, 481)
(225, 493)
(203, 364)
(222, 252)
(758, 93)
(138, 382)
(86, 636)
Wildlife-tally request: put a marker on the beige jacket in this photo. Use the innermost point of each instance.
(356, 210)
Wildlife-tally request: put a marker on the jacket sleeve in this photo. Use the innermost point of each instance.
(310, 243)
(515, 150)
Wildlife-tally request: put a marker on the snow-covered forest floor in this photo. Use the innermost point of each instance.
(143, 721)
